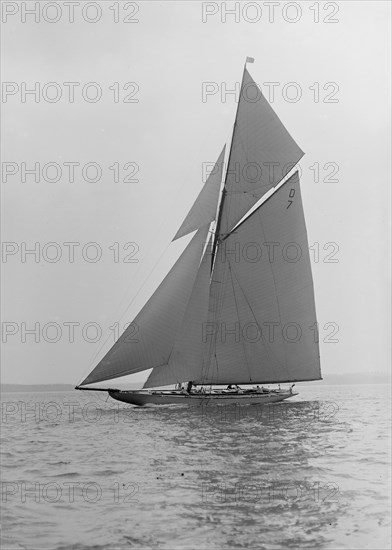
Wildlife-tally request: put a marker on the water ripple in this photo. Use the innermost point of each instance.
(310, 473)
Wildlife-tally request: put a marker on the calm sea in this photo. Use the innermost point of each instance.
(84, 472)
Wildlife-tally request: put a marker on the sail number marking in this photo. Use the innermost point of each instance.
(291, 196)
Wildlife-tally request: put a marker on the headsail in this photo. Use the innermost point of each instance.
(188, 351)
(149, 340)
(204, 208)
(261, 155)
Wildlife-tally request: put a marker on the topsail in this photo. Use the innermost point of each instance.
(262, 154)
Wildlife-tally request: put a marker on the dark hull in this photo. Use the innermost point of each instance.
(146, 397)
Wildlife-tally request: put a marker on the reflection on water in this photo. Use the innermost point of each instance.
(81, 471)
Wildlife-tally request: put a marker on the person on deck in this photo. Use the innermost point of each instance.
(189, 387)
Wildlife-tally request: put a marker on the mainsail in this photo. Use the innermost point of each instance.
(261, 326)
(243, 310)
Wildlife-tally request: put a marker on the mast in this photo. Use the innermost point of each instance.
(224, 192)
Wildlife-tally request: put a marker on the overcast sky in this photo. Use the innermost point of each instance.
(340, 72)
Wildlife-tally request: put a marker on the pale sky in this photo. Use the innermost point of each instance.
(169, 133)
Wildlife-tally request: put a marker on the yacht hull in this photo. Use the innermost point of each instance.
(147, 397)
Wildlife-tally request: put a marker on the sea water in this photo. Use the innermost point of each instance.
(81, 471)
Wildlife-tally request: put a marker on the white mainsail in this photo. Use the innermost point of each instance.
(204, 209)
(158, 321)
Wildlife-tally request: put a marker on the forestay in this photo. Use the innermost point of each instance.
(149, 340)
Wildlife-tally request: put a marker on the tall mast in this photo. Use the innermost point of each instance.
(224, 192)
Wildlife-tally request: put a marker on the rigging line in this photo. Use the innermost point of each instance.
(187, 305)
(137, 271)
(230, 195)
(207, 357)
(215, 293)
(237, 135)
(130, 303)
(239, 320)
(93, 358)
(175, 342)
(218, 223)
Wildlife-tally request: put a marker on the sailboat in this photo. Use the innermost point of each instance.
(238, 305)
